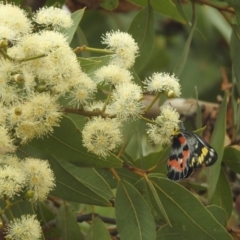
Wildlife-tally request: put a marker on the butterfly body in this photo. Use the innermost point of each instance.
(188, 151)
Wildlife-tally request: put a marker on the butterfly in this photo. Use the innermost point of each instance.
(188, 151)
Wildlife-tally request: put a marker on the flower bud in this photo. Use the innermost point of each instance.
(18, 111)
(29, 194)
(171, 94)
(18, 78)
(3, 43)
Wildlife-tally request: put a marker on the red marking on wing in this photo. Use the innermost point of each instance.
(182, 139)
(176, 165)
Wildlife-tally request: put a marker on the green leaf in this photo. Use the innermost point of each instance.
(156, 202)
(66, 143)
(90, 65)
(136, 78)
(127, 175)
(67, 223)
(186, 213)
(133, 215)
(219, 214)
(217, 143)
(150, 160)
(107, 175)
(89, 189)
(182, 60)
(97, 229)
(179, 7)
(168, 233)
(109, 4)
(222, 196)
(231, 158)
(235, 55)
(89, 178)
(194, 186)
(142, 30)
(76, 17)
(167, 8)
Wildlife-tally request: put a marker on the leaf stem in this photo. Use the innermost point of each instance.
(147, 120)
(85, 48)
(153, 101)
(107, 100)
(20, 59)
(115, 174)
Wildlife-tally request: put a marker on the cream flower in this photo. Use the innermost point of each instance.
(101, 136)
(6, 143)
(113, 74)
(161, 132)
(83, 91)
(40, 178)
(51, 69)
(27, 228)
(163, 82)
(12, 181)
(126, 101)
(7, 33)
(35, 117)
(55, 17)
(124, 47)
(15, 19)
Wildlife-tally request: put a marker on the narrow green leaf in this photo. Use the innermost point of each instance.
(76, 17)
(168, 233)
(67, 223)
(186, 213)
(219, 214)
(179, 7)
(97, 230)
(83, 189)
(156, 202)
(222, 196)
(70, 187)
(217, 142)
(133, 215)
(182, 61)
(142, 30)
(127, 175)
(167, 8)
(66, 143)
(90, 178)
(109, 4)
(231, 158)
(235, 55)
(136, 78)
(107, 175)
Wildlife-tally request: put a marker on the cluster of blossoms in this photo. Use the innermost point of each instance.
(35, 178)
(33, 76)
(37, 70)
(125, 100)
(166, 124)
(26, 227)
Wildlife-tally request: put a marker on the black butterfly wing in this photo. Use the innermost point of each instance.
(178, 167)
(201, 153)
